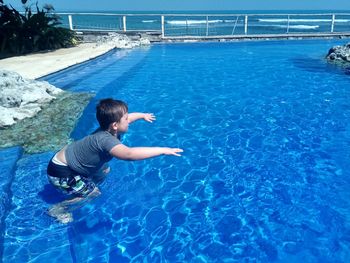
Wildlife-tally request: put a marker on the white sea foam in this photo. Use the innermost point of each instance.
(229, 21)
(149, 21)
(304, 27)
(278, 20)
(192, 22)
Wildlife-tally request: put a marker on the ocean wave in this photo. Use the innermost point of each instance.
(192, 22)
(149, 21)
(305, 27)
(278, 20)
(229, 21)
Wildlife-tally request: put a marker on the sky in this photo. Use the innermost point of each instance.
(177, 5)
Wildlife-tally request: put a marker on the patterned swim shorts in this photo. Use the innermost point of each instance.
(69, 182)
(76, 185)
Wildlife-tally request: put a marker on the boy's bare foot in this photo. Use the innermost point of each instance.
(60, 214)
(65, 218)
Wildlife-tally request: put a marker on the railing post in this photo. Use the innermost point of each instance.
(70, 21)
(186, 26)
(207, 33)
(124, 23)
(288, 25)
(162, 25)
(245, 24)
(333, 21)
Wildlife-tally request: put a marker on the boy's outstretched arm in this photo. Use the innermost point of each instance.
(123, 152)
(134, 116)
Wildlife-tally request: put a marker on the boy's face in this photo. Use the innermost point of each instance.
(123, 124)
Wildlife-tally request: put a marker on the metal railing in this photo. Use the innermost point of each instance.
(211, 25)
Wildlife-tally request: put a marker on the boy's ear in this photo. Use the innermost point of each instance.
(114, 125)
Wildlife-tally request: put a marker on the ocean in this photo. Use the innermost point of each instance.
(200, 23)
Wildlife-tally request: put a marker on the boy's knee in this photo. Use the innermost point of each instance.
(94, 193)
(107, 170)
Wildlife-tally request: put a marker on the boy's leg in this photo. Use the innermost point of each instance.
(62, 211)
(82, 188)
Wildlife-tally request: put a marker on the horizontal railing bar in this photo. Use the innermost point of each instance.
(260, 35)
(116, 30)
(201, 15)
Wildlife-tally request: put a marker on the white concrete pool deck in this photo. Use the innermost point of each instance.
(40, 64)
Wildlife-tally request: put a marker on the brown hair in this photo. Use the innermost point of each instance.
(109, 111)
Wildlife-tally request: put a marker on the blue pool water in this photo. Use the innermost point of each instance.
(264, 176)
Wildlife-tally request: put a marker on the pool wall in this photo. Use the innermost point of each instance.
(8, 160)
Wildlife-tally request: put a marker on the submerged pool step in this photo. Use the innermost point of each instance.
(30, 234)
(107, 85)
(8, 160)
(63, 78)
(82, 77)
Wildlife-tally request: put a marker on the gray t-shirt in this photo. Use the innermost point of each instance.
(88, 155)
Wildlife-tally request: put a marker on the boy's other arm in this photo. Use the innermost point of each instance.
(134, 116)
(123, 152)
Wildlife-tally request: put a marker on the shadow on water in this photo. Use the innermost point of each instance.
(50, 195)
(98, 224)
(320, 66)
(111, 89)
(90, 233)
(77, 73)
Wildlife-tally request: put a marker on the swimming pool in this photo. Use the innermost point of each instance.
(264, 176)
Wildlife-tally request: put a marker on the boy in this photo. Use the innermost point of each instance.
(79, 166)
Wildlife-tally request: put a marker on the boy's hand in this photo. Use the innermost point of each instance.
(172, 151)
(149, 117)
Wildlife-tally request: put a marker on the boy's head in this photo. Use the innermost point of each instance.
(110, 111)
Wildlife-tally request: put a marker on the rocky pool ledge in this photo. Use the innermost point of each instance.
(339, 54)
(50, 128)
(37, 115)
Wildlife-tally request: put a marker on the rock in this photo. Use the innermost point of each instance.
(22, 98)
(121, 41)
(144, 41)
(339, 53)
